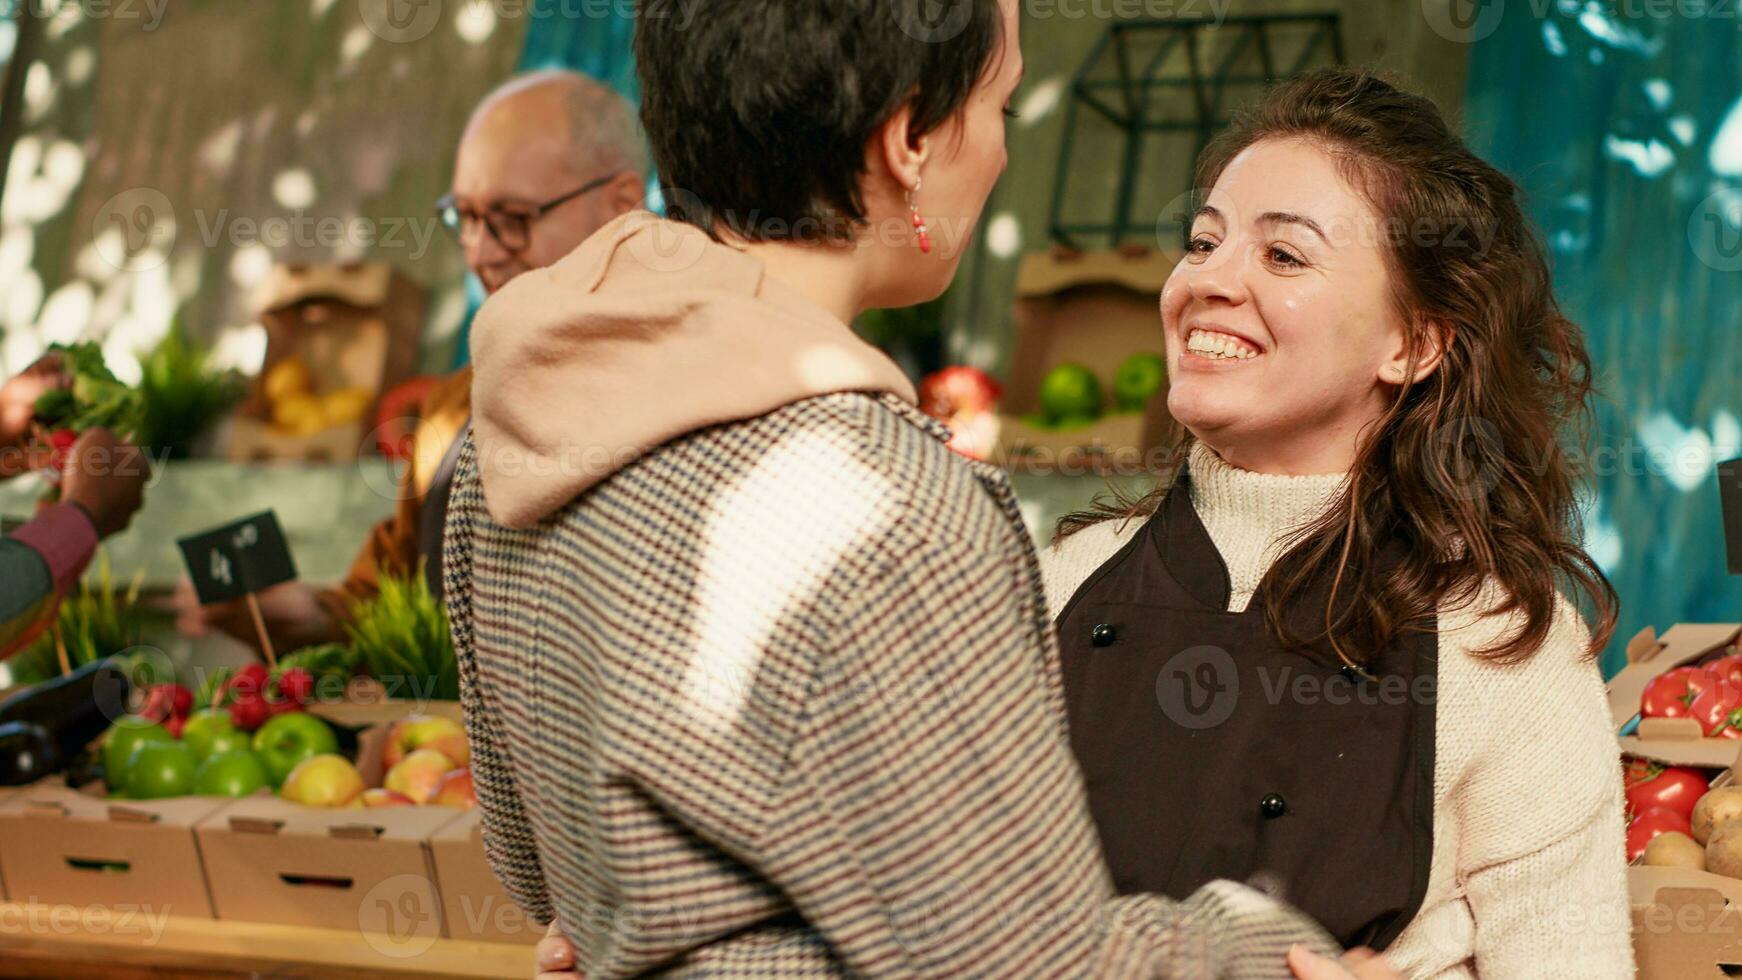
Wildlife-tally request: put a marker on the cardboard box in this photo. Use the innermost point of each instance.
(356, 325)
(474, 903)
(269, 860)
(62, 847)
(1095, 309)
(367, 705)
(1676, 741)
(6, 793)
(1687, 925)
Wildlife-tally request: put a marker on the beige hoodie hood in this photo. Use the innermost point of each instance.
(648, 331)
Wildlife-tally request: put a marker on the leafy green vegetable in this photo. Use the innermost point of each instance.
(97, 398)
(181, 394)
(326, 660)
(402, 637)
(209, 687)
(96, 622)
(55, 405)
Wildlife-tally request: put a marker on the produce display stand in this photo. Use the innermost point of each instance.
(202, 886)
(1687, 923)
(195, 948)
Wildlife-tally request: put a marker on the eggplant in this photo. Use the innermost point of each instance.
(86, 767)
(28, 752)
(74, 709)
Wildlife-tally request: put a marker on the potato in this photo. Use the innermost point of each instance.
(288, 377)
(1716, 808)
(1724, 850)
(346, 405)
(1675, 850)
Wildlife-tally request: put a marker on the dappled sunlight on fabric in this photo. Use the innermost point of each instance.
(773, 538)
(823, 362)
(1726, 152)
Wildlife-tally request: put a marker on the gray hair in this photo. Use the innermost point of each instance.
(607, 136)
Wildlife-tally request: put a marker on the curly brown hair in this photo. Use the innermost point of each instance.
(1466, 466)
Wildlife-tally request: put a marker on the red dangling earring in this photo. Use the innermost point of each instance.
(919, 221)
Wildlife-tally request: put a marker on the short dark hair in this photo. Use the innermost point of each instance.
(759, 111)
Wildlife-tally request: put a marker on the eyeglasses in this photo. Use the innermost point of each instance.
(511, 228)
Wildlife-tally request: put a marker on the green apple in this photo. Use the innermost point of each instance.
(1138, 380)
(203, 729)
(1070, 390)
(160, 769)
(288, 739)
(122, 738)
(235, 773)
(230, 740)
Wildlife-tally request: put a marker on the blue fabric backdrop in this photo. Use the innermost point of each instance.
(1626, 132)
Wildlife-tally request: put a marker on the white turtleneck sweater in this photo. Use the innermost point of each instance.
(1527, 879)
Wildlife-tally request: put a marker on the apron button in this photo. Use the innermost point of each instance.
(1354, 674)
(1273, 805)
(1103, 635)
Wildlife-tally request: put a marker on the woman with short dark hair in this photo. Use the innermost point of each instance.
(757, 673)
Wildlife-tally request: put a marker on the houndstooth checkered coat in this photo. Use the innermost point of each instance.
(781, 699)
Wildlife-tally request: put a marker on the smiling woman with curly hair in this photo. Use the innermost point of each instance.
(1333, 653)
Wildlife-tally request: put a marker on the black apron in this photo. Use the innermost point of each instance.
(433, 520)
(1210, 751)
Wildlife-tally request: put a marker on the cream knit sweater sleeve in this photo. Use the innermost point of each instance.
(1528, 879)
(1529, 779)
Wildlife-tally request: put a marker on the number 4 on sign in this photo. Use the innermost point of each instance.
(237, 560)
(221, 568)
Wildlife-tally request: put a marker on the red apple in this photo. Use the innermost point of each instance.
(418, 774)
(456, 790)
(414, 732)
(382, 796)
(956, 391)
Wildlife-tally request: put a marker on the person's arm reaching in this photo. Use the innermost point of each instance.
(18, 413)
(38, 563)
(101, 489)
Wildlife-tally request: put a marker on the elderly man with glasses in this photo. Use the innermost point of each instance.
(546, 159)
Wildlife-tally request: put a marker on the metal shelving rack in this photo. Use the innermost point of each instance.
(1208, 60)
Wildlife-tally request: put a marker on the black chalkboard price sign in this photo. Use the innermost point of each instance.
(1730, 498)
(238, 560)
